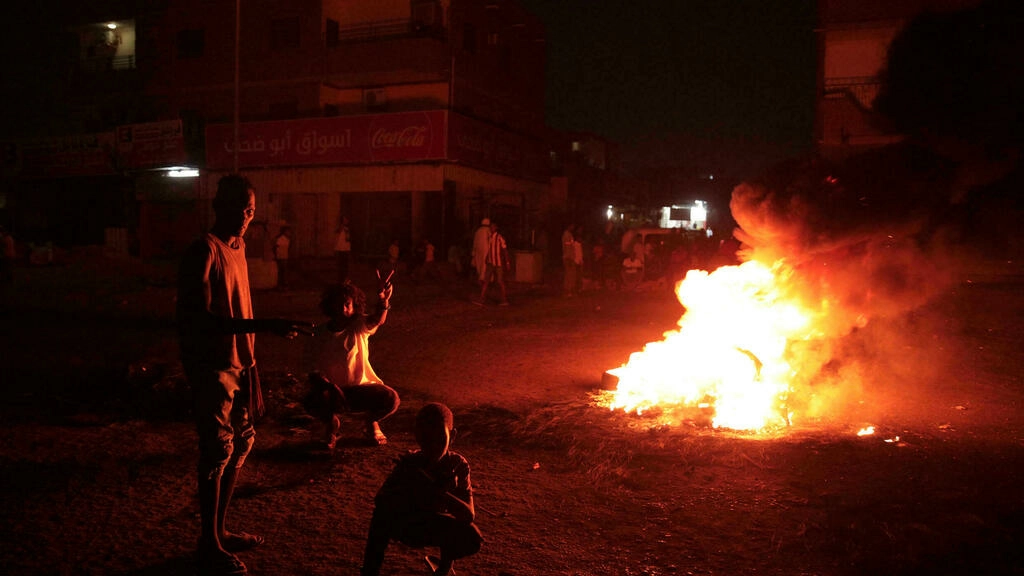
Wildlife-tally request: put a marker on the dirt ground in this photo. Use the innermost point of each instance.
(97, 453)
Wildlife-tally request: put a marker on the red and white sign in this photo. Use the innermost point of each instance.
(489, 148)
(401, 137)
(151, 145)
(77, 155)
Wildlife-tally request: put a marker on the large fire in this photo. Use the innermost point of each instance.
(732, 355)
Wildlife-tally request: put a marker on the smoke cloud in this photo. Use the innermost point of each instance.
(870, 243)
(878, 237)
(870, 237)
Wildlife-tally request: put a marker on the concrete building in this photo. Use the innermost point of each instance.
(853, 39)
(414, 118)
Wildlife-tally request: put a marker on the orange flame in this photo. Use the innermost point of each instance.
(730, 353)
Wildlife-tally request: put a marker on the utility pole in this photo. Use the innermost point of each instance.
(238, 30)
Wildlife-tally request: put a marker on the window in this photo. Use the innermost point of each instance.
(505, 57)
(106, 45)
(425, 15)
(191, 44)
(192, 125)
(469, 38)
(331, 33)
(284, 110)
(284, 34)
(375, 99)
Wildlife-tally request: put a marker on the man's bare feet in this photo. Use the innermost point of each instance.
(240, 541)
(213, 562)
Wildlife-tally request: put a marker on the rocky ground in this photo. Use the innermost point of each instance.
(97, 452)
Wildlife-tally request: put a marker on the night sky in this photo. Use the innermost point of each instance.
(708, 70)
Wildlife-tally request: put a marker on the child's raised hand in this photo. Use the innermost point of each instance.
(385, 294)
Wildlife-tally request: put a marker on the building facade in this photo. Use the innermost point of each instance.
(414, 118)
(853, 40)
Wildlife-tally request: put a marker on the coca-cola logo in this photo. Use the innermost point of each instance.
(408, 137)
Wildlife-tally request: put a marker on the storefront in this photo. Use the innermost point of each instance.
(405, 176)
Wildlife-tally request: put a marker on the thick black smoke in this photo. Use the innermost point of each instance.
(879, 235)
(884, 231)
(956, 80)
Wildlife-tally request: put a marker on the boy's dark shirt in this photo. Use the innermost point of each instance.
(408, 495)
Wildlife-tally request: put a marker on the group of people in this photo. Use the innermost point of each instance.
(605, 266)
(426, 500)
(490, 259)
(624, 260)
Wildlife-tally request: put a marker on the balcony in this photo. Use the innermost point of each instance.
(390, 29)
(110, 74)
(115, 63)
(388, 52)
(862, 89)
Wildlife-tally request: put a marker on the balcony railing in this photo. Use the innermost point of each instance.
(383, 29)
(107, 64)
(862, 88)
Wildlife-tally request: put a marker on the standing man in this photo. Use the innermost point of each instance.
(216, 331)
(569, 260)
(343, 250)
(281, 245)
(481, 243)
(497, 262)
(7, 256)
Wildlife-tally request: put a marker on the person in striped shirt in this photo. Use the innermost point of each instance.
(497, 262)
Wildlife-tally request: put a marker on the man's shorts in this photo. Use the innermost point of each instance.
(223, 422)
(495, 272)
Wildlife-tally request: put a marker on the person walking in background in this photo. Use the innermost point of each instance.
(569, 279)
(727, 253)
(281, 246)
(607, 267)
(627, 242)
(343, 250)
(577, 258)
(7, 256)
(426, 500)
(632, 271)
(455, 255)
(389, 267)
(679, 260)
(481, 244)
(497, 262)
(428, 269)
(216, 333)
(611, 237)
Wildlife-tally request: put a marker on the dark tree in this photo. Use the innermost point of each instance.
(959, 76)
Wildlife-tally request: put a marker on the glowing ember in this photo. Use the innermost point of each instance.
(730, 353)
(866, 431)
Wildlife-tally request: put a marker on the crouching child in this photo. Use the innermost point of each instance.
(426, 500)
(343, 380)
